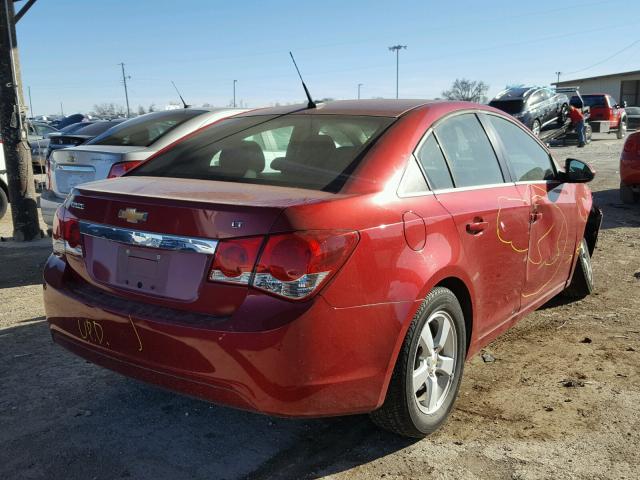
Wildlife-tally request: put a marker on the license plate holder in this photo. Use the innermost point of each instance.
(141, 269)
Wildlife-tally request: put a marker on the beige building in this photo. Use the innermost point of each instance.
(621, 86)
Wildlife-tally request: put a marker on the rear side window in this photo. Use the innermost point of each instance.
(527, 159)
(318, 152)
(468, 151)
(435, 166)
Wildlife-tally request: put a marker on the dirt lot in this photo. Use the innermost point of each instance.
(61, 417)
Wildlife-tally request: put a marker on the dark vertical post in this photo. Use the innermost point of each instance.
(22, 195)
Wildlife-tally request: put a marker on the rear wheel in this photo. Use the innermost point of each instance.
(588, 133)
(428, 371)
(536, 127)
(622, 128)
(627, 195)
(582, 281)
(4, 202)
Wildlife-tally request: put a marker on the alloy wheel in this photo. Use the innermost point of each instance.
(586, 263)
(435, 362)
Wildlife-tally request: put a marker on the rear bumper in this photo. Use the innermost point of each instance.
(328, 361)
(49, 203)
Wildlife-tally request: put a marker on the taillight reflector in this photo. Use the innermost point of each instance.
(234, 260)
(120, 168)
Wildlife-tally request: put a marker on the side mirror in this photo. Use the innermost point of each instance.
(577, 171)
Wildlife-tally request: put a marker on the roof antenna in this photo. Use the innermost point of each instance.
(311, 103)
(182, 99)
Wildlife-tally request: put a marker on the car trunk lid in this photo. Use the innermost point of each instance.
(155, 238)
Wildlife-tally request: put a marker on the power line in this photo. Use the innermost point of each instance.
(606, 59)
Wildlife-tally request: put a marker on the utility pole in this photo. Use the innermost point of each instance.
(61, 110)
(397, 48)
(24, 209)
(359, 85)
(234, 93)
(30, 104)
(126, 93)
(558, 75)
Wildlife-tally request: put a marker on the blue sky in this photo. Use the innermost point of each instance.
(70, 49)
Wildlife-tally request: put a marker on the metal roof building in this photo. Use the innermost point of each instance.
(624, 87)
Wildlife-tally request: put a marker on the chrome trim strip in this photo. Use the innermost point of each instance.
(149, 239)
(473, 187)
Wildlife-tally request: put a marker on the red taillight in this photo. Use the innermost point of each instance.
(119, 169)
(292, 265)
(295, 265)
(234, 260)
(66, 233)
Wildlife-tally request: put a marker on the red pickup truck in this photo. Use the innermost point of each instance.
(607, 115)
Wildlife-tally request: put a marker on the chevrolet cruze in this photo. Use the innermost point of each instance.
(322, 261)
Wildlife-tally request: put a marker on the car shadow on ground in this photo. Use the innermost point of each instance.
(104, 425)
(615, 213)
(21, 264)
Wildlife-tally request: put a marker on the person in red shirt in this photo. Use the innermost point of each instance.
(577, 120)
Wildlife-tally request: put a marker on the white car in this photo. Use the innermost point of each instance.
(118, 150)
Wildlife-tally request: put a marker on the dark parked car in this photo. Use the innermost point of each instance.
(68, 120)
(534, 106)
(633, 117)
(76, 137)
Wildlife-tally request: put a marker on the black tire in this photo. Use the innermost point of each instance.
(627, 195)
(4, 202)
(536, 127)
(400, 412)
(622, 128)
(563, 115)
(582, 281)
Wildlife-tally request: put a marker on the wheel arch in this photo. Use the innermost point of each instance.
(460, 290)
(592, 228)
(5, 189)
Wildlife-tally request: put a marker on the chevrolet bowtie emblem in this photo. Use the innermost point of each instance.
(131, 215)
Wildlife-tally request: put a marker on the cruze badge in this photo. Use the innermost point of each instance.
(131, 215)
(237, 224)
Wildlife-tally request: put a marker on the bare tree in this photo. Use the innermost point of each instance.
(108, 110)
(141, 110)
(152, 108)
(467, 90)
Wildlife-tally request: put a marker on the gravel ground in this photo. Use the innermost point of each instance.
(561, 400)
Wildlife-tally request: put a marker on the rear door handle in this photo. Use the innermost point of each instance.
(477, 226)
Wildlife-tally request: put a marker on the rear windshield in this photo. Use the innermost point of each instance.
(146, 129)
(508, 106)
(74, 127)
(589, 101)
(318, 152)
(633, 110)
(96, 128)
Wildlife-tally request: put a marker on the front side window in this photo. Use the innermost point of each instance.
(145, 130)
(434, 165)
(318, 152)
(468, 151)
(528, 160)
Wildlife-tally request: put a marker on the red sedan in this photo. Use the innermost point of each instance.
(630, 169)
(322, 261)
